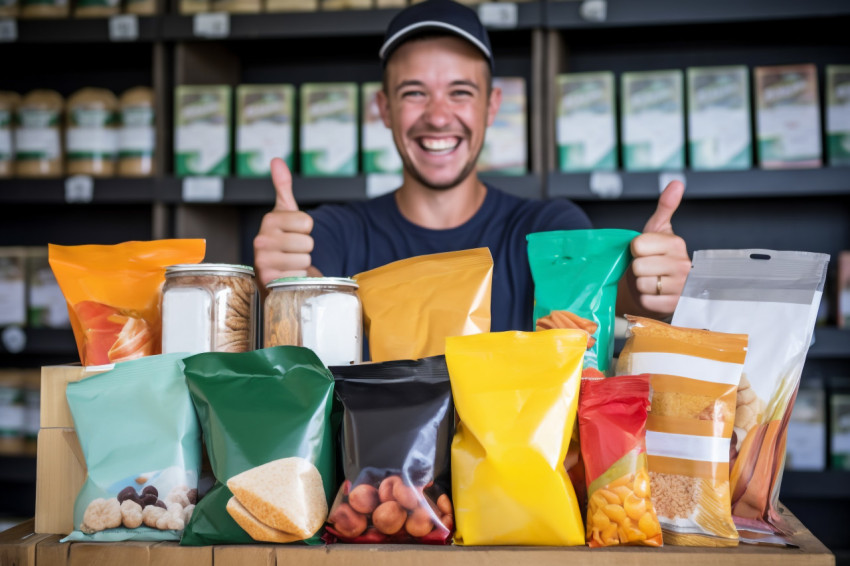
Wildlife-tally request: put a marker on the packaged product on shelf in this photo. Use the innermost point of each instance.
(807, 429)
(839, 430)
(612, 414)
(653, 115)
(140, 7)
(91, 136)
(719, 118)
(8, 103)
(772, 296)
(390, 3)
(516, 395)
(376, 143)
(505, 149)
(694, 377)
(328, 129)
(274, 472)
(838, 114)
(328, 5)
(292, 5)
(397, 485)
(586, 129)
(402, 323)
(44, 9)
(96, 8)
(202, 130)
(46, 307)
(13, 294)
(320, 313)
(236, 6)
(188, 7)
(114, 294)
(209, 307)
(265, 118)
(575, 274)
(8, 8)
(142, 446)
(843, 302)
(788, 116)
(12, 413)
(38, 143)
(137, 136)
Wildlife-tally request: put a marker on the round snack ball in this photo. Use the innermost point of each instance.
(128, 492)
(150, 489)
(101, 514)
(148, 499)
(131, 514)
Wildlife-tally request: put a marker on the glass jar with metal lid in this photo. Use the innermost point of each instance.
(209, 307)
(320, 313)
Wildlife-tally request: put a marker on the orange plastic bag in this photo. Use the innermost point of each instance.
(113, 294)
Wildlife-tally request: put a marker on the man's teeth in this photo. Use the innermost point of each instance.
(439, 144)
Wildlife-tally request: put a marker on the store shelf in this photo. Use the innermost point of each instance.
(829, 484)
(95, 30)
(39, 341)
(621, 13)
(53, 191)
(750, 183)
(17, 469)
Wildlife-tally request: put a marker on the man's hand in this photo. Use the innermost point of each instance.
(661, 263)
(283, 245)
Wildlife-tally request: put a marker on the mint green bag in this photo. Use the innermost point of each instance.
(577, 271)
(142, 445)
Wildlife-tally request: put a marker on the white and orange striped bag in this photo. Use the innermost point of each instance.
(694, 376)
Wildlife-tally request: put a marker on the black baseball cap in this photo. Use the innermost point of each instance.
(436, 15)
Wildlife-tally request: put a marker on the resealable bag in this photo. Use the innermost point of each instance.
(142, 447)
(410, 306)
(397, 428)
(266, 417)
(114, 293)
(773, 296)
(516, 395)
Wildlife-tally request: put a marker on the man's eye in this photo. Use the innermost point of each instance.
(462, 93)
(412, 94)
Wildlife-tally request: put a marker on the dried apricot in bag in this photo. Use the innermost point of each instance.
(612, 417)
(113, 294)
(516, 394)
(694, 375)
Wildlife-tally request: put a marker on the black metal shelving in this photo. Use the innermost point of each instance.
(72, 30)
(53, 191)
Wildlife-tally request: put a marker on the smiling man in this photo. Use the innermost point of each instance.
(438, 100)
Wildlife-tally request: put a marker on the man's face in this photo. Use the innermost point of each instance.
(438, 107)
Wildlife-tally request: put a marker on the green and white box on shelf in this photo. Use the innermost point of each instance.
(328, 129)
(653, 120)
(586, 129)
(505, 149)
(840, 431)
(788, 116)
(202, 130)
(807, 431)
(838, 114)
(719, 118)
(376, 140)
(264, 127)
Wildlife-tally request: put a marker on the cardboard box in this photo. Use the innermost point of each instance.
(843, 302)
(838, 114)
(55, 412)
(328, 129)
(806, 442)
(376, 140)
(505, 149)
(202, 130)
(13, 295)
(652, 110)
(60, 473)
(586, 129)
(788, 116)
(265, 116)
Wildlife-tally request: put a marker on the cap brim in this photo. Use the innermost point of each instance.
(392, 42)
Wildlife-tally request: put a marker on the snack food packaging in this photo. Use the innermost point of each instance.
(505, 149)
(38, 143)
(202, 130)
(575, 274)
(516, 395)
(142, 445)
(772, 296)
(586, 129)
(328, 129)
(410, 306)
(267, 421)
(377, 147)
(397, 428)
(265, 115)
(114, 292)
(653, 120)
(694, 377)
(91, 138)
(838, 114)
(137, 137)
(612, 420)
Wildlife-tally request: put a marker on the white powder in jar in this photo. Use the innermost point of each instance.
(330, 326)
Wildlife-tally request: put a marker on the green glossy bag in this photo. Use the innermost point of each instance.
(258, 409)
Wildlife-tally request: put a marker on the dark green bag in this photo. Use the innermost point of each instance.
(257, 407)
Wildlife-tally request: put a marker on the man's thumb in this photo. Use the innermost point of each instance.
(668, 202)
(282, 179)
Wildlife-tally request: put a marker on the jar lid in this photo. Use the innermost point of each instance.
(218, 268)
(294, 281)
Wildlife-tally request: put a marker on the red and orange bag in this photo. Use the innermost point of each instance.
(113, 294)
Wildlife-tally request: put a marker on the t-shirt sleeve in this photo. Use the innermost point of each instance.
(561, 214)
(337, 238)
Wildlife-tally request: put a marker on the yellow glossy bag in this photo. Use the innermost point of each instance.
(516, 394)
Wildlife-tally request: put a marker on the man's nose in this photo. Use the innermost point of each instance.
(438, 112)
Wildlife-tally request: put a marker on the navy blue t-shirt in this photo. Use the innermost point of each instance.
(360, 236)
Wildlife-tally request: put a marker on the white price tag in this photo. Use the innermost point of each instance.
(606, 184)
(79, 188)
(378, 184)
(14, 339)
(215, 25)
(203, 189)
(124, 27)
(499, 14)
(594, 10)
(8, 31)
(665, 177)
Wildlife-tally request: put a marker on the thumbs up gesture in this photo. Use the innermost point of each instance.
(661, 263)
(283, 245)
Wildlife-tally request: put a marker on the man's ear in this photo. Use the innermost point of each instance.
(384, 107)
(493, 105)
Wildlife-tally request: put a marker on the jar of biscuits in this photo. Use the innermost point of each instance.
(320, 313)
(209, 307)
